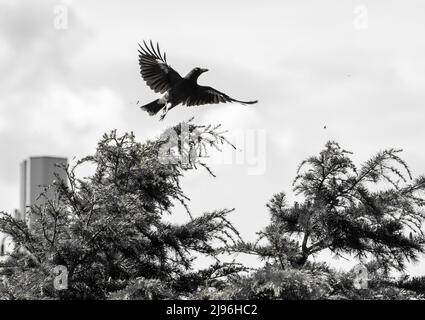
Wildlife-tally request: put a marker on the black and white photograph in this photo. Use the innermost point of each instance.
(217, 157)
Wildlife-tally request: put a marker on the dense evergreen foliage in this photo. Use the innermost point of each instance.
(110, 230)
(112, 233)
(375, 211)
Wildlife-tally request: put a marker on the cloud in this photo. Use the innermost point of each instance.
(37, 52)
(44, 108)
(232, 116)
(2, 125)
(59, 116)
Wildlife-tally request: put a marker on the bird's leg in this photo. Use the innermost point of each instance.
(165, 110)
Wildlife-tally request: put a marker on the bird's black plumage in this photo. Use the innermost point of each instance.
(161, 78)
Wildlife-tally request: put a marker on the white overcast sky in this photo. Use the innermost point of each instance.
(307, 62)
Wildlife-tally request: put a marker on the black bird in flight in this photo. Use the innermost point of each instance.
(160, 77)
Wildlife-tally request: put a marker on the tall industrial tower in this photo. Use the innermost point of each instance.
(35, 174)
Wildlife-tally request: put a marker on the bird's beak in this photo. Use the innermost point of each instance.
(204, 70)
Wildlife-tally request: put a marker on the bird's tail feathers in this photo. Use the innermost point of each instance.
(245, 102)
(154, 107)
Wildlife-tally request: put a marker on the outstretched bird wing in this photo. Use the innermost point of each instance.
(155, 70)
(207, 95)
